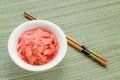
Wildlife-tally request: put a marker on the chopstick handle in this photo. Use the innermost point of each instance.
(87, 52)
(99, 60)
(99, 56)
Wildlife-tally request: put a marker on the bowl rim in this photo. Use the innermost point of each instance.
(13, 39)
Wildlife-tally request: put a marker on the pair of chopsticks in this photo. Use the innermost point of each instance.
(78, 46)
(86, 51)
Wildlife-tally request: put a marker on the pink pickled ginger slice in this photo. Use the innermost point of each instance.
(37, 46)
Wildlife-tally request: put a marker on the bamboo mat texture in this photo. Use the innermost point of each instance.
(95, 23)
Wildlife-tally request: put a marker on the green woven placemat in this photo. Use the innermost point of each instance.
(95, 23)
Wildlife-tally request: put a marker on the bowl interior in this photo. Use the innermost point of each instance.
(13, 41)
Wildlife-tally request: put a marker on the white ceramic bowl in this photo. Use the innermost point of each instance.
(13, 41)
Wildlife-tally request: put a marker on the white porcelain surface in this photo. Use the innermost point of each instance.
(13, 40)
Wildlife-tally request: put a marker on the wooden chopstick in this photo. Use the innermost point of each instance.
(29, 16)
(101, 61)
(73, 40)
(99, 56)
(77, 45)
(90, 50)
(74, 45)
